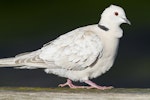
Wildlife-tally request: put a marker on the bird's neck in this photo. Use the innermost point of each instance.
(103, 27)
(107, 25)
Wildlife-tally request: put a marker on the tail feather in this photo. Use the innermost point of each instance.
(17, 60)
(24, 61)
(8, 62)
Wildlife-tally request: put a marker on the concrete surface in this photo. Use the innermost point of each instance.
(24, 93)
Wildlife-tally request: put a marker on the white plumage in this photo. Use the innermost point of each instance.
(79, 55)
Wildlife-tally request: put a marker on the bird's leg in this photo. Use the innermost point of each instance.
(70, 84)
(93, 85)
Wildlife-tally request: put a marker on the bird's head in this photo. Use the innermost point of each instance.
(113, 16)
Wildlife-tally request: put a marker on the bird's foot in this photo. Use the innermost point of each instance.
(70, 84)
(93, 85)
(100, 87)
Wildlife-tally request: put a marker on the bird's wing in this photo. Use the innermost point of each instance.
(75, 50)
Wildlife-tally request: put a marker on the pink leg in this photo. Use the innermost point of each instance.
(93, 85)
(70, 84)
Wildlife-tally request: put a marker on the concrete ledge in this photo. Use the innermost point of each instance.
(24, 93)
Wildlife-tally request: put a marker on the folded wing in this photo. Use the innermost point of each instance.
(75, 50)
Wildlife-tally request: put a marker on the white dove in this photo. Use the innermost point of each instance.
(80, 55)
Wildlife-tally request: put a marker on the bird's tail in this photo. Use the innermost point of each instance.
(29, 60)
(8, 62)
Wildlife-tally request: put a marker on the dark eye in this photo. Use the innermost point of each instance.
(116, 13)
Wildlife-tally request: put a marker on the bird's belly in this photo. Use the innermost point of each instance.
(99, 68)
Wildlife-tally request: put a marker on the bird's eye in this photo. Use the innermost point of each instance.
(116, 13)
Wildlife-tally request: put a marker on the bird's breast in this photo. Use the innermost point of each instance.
(107, 59)
(110, 48)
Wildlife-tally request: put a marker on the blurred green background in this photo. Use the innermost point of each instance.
(27, 25)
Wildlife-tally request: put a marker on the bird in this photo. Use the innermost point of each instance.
(79, 55)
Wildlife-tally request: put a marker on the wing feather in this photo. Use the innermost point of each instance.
(75, 50)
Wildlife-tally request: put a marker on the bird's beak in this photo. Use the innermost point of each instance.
(127, 21)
